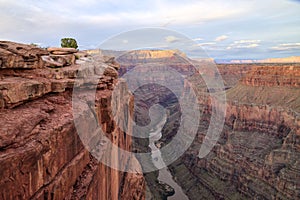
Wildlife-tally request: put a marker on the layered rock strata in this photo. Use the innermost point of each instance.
(41, 154)
(257, 155)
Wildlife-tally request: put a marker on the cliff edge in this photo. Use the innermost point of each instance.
(41, 154)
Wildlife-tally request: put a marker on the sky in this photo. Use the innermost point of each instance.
(245, 29)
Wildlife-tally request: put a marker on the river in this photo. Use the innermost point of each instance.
(164, 174)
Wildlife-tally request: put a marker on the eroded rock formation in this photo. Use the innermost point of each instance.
(41, 154)
(257, 155)
(15, 55)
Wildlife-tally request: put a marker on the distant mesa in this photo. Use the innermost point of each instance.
(142, 54)
(292, 59)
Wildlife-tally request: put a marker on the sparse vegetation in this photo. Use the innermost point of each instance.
(77, 56)
(33, 44)
(69, 43)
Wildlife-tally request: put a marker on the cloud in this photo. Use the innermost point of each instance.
(244, 44)
(122, 13)
(221, 38)
(119, 12)
(92, 21)
(286, 47)
(247, 41)
(107, 19)
(206, 44)
(171, 39)
(198, 39)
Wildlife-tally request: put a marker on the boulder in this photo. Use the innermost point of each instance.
(111, 62)
(110, 71)
(56, 61)
(65, 60)
(49, 62)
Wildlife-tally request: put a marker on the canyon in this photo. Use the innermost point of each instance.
(42, 156)
(257, 154)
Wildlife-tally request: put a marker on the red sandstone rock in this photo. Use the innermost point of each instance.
(277, 75)
(41, 155)
(66, 50)
(15, 55)
(65, 60)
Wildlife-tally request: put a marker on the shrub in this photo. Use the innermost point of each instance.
(69, 43)
(33, 44)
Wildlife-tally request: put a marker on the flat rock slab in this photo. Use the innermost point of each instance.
(66, 50)
(61, 53)
(14, 90)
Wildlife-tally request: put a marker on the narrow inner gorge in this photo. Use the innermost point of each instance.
(159, 117)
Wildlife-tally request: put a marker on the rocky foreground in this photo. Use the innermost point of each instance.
(41, 155)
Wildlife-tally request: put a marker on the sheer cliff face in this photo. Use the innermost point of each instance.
(41, 155)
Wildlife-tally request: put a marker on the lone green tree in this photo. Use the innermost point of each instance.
(69, 43)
